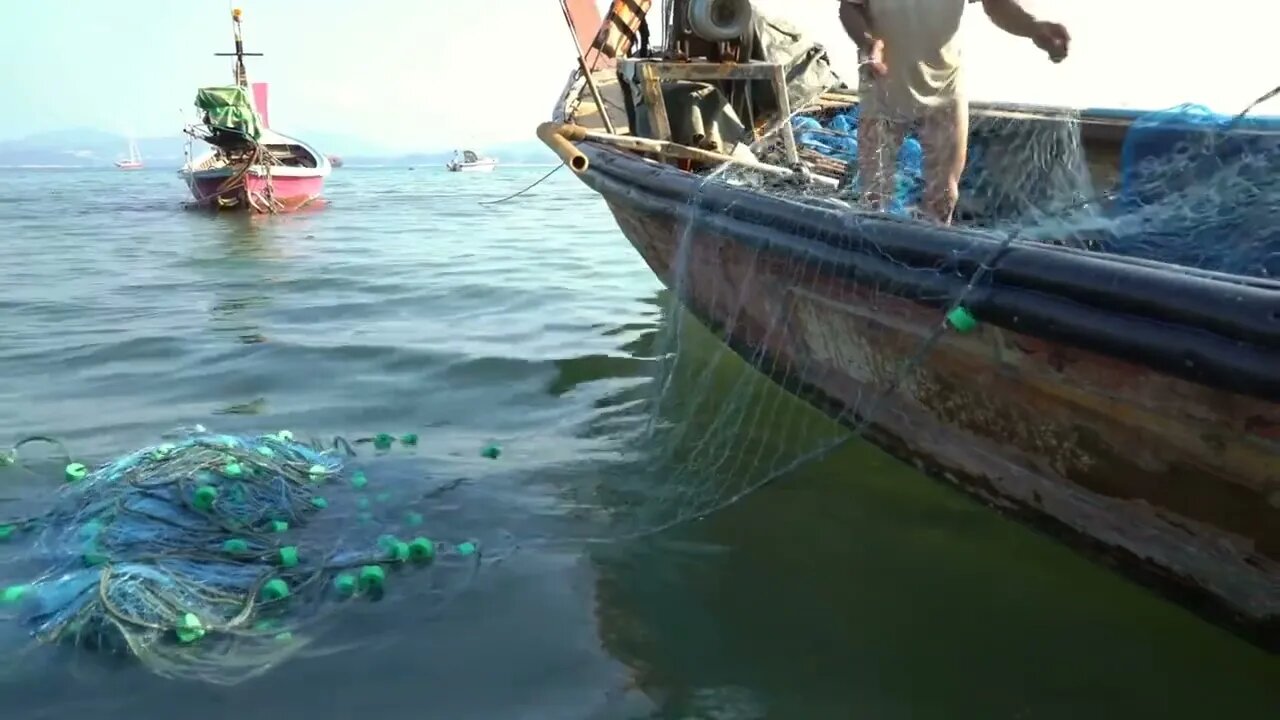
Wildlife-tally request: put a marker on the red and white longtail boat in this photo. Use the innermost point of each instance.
(250, 166)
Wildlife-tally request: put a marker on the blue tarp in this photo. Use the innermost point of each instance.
(839, 139)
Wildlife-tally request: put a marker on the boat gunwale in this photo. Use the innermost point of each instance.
(973, 234)
(1200, 351)
(260, 170)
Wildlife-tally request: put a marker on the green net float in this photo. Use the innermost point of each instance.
(205, 497)
(75, 472)
(372, 578)
(14, 594)
(345, 584)
(962, 320)
(398, 551)
(422, 550)
(189, 629)
(274, 589)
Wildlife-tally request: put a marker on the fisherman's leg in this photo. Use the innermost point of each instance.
(879, 139)
(944, 137)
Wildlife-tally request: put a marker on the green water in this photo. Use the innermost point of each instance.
(850, 588)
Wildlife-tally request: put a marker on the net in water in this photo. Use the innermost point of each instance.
(212, 557)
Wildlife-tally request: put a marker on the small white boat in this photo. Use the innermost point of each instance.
(468, 161)
(135, 158)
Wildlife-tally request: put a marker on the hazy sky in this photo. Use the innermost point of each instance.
(420, 74)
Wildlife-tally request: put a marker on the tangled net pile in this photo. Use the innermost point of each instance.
(203, 557)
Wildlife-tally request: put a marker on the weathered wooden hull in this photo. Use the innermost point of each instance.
(1165, 462)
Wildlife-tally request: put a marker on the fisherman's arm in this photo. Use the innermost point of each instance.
(857, 23)
(853, 15)
(1011, 17)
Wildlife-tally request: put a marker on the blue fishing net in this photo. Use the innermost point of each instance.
(1200, 189)
(203, 558)
(1195, 188)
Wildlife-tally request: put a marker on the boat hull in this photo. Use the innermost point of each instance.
(256, 193)
(472, 167)
(1171, 476)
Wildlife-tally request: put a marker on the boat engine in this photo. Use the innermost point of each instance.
(718, 30)
(720, 20)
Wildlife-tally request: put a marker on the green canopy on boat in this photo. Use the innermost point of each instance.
(230, 107)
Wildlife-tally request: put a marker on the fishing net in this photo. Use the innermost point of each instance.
(722, 415)
(211, 557)
(1190, 187)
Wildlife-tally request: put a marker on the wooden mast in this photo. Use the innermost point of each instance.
(242, 77)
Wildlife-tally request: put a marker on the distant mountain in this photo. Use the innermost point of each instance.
(89, 147)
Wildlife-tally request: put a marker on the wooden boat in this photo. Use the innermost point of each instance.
(1130, 407)
(250, 166)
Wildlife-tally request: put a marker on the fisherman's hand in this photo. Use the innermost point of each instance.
(875, 58)
(1052, 38)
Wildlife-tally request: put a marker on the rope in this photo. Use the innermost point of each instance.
(535, 184)
(1261, 99)
(236, 181)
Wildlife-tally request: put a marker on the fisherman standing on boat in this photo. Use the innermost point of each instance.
(911, 76)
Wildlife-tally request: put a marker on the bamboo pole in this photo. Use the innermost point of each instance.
(560, 138)
(553, 135)
(586, 71)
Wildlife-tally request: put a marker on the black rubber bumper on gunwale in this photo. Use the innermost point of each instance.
(1216, 330)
